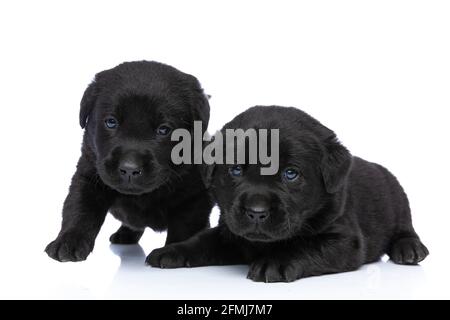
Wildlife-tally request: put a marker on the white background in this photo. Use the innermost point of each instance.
(377, 72)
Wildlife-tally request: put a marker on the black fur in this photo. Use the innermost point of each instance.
(141, 96)
(340, 213)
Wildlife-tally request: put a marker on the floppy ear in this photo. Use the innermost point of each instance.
(207, 172)
(201, 108)
(207, 167)
(335, 165)
(87, 103)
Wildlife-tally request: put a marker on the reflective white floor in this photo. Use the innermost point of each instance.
(118, 272)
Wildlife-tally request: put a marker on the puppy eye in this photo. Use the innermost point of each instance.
(290, 174)
(111, 123)
(235, 171)
(163, 130)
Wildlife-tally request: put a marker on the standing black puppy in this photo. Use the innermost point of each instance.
(128, 113)
(324, 212)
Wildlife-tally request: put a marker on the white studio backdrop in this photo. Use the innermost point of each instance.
(376, 72)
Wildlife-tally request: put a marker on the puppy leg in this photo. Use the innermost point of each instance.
(405, 246)
(188, 219)
(308, 257)
(407, 249)
(204, 249)
(84, 211)
(126, 235)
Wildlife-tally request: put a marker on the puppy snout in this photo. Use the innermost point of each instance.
(257, 216)
(257, 208)
(129, 169)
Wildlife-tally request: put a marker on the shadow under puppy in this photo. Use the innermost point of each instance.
(325, 211)
(128, 113)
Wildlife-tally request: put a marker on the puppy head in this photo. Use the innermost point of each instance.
(312, 170)
(129, 113)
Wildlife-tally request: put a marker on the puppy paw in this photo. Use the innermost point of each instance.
(125, 236)
(408, 251)
(170, 256)
(274, 271)
(69, 248)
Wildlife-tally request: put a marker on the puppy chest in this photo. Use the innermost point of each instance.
(140, 212)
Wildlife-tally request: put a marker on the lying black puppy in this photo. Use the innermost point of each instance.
(125, 167)
(324, 212)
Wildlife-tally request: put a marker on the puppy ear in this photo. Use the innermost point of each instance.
(201, 108)
(207, 168)
(207, 173)
(335, 165)
(87, 103)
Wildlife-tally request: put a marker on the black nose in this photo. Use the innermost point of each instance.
(129, 169)
(257, 216)
(257, 208)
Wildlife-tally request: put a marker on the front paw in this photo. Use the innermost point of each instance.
(272, 270)
(170, 256)
(69, 247)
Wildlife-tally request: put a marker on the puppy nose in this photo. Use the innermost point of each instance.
(257, 216)
(257, 208)
(130, 169)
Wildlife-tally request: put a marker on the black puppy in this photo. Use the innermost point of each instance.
(128, 113)
(324, 212)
